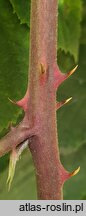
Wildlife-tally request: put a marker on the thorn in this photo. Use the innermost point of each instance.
(65, 175)
(23, 103)
(60, 77)
(60, 104)
(75, 172)
(14, 102)
(72, 71)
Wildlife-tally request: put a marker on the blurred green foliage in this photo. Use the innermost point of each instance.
(70, 14)
(14, 55)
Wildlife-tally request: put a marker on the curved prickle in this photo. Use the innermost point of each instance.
(60, 104)
(75, 172)
(72, 71)
(60, 77)
(65, 175)
(23, 103)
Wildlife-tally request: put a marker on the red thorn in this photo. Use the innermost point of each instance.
(61, 77)
(65, 175)
(72, 71)
(75, 172)
(23, 103)
(60, 104)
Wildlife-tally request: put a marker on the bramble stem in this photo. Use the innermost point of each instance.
(42, 101)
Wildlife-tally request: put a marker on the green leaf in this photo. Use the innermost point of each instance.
(14, 55)
(70, 13)
(22, 9)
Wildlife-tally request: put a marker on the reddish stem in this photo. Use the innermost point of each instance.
(39, 103)
(42, 100)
